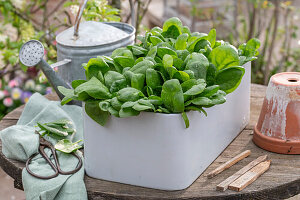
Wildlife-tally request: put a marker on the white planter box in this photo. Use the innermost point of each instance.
(157, 151)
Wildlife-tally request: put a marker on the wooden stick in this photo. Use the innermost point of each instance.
(229, 163)
(250, 176)
(224, 185)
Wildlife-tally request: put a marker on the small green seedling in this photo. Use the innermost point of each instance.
(67, 146)
(57, 129)
(60, 129)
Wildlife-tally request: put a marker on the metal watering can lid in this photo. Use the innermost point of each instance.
(91, 33)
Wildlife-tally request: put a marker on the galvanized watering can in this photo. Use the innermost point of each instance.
(76, 46)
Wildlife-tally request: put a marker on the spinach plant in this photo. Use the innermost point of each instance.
(59, 130)
(170, 71)
(67, 146)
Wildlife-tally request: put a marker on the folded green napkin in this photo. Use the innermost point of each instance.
(19, 142)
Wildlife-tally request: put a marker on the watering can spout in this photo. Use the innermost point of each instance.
(31, 54)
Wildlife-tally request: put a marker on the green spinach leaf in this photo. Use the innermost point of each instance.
(127, 109)
(172, 28)
(129, 94)
(185, 119)
(94, 88)
(172, 96)
(230, 78)
(196, 89)
(67, 146)
(153, 78)
(197, 63)
(93, 110)
(224, 56)
(111, 76)
(212, 37)
(95, 65)
(181, 40)
(142, 66)
(138, 81)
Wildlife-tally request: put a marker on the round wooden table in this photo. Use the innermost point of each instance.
(281, 181)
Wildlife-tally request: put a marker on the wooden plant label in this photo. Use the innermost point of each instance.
(250, 176)
(229, 163)
(224, 185)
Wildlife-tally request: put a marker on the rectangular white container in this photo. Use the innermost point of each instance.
(156, 150)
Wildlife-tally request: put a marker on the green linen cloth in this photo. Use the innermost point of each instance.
(19, 142)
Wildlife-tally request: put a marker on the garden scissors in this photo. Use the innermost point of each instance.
(45, 144)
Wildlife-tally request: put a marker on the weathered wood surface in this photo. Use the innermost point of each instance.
(281, 181)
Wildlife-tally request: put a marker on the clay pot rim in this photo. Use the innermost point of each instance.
(293, 75)
(275, 140)
(275, 145)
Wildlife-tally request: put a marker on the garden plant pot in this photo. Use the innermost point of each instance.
(156, 150)
(278, 127)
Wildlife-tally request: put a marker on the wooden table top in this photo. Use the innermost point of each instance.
(281, 181)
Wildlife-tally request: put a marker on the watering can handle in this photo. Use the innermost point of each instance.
(78, 18)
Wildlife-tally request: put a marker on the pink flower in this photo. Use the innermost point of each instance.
(6, 93)
(54, 42)
(8, 102)
(13, 83)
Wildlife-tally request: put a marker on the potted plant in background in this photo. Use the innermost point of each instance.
(171, 75)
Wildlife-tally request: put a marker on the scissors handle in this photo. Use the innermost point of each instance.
(79, 165)
(44, 155)
(55, 167)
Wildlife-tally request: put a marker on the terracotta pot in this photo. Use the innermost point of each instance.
(278, 127)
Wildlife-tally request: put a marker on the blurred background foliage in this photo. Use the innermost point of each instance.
(274, 22)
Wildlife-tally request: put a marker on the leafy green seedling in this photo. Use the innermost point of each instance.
(67, 146)
(57, 129)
